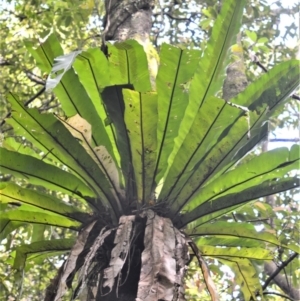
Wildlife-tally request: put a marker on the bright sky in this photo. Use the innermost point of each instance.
(285, 20)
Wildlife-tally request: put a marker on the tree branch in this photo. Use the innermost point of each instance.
(280, 295)
(35, 96)
(4, 62)
(273, 271)
(256, 61)
(181, 18)
(34, 77)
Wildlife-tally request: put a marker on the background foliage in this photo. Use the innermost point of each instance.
(185, 23)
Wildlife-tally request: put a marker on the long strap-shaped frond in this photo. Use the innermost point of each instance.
(261, 176)
(83, 92)
(207, 79)
(219, 131)
(141, 123)
(51, 137)
(12, 193)
(175, 72)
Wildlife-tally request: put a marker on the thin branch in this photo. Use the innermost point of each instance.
(181, 19)
(204, 268)
(33, 77)
(3, 120)
(22, 17)
(278, 270)
(295, 96)
(46, 105)
(5, 63)
(256, 61)
(280, 295)
(260, 65)
(35, 96)
(262, 220)
(48, 108)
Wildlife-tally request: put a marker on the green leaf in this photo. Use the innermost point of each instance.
(8, 226)
(245, 276)
(40, 173)
(128, 65)
(208, 78)
(274, 164)
(141, 121)
(262, 97)
(39, 259)
(251, 35)
(81, 130)
(44, 56)
(175, 72)
(258, 134)
(236, 252)
(114, 103)
(271, 88)
(38, 232)
(16, 194)
(75, 94)
(37, 218)
(54, 140)
(199, 145)
(231, 200)
(206, 81)
(44, 62)
(231, 230)
(293, 247)
(31, 251)
(262, 40)
(70, 91)
(93, 72)
(228, 241)
(22, 147)
(208, 152)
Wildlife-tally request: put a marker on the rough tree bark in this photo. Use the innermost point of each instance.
(128, 19)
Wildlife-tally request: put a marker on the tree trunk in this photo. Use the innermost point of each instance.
(146, 262)
(143, 259)
(125, 284)
(126, 20)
